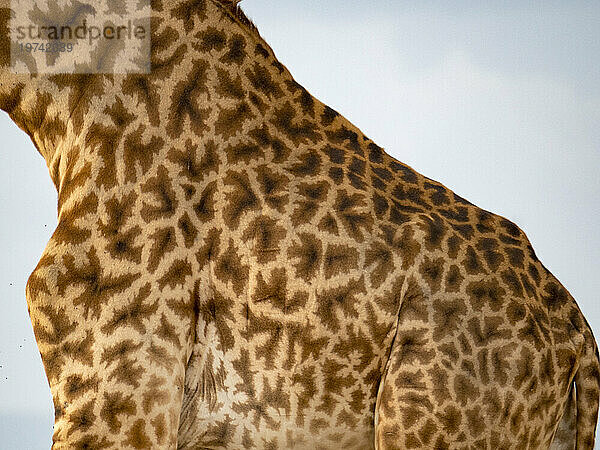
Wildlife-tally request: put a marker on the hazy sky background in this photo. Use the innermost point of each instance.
(500, 103)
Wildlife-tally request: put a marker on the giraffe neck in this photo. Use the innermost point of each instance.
(205, 55)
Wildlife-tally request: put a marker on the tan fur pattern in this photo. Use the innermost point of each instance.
(237, 266)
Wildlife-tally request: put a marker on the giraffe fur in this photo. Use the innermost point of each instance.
(236, 265)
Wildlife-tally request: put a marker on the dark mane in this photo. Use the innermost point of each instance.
(234, 8)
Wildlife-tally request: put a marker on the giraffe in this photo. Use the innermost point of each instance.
(237, 266)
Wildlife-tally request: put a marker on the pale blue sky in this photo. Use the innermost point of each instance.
(501, 103)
